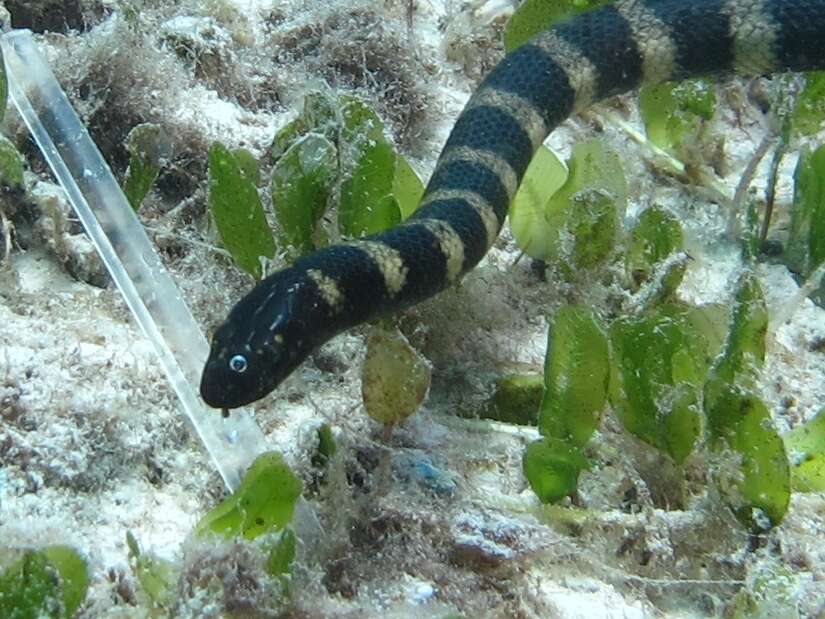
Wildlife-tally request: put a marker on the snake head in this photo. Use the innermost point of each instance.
(264, 338)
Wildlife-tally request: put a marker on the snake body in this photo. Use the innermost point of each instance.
(592, 56)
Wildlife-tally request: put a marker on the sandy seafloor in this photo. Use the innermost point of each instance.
(93, 443)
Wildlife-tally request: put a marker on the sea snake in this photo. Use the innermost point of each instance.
(592, 56)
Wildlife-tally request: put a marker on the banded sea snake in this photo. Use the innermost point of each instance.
(595, 55)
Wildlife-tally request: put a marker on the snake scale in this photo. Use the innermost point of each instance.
(592, 56)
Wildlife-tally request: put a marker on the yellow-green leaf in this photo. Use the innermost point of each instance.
(535, 16)
(672, 111)
(395, 378)
(552, 468)
(751, 467)
(264, 501)
(74, 576)
(578, 223)
(302, 181)
(659, 364)
(534, 234)
(809, 110)
(148, 147)
(367, 205)
(576, 374)
(806, 450)
(11, 164)
(744, 350)
(806, 243)
(236, 208)
(407, 187)
(515, 399)
(656, 235)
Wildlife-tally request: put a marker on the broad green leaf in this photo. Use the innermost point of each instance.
(321, 112)
(361, 124)
(594, 225)
(744, 350)
(806, 244)
(534, 234)
(367, 205)
(751, 231)
(665, 282)
(656, 235)
(395, 378)
(407, 187)
(585, 212)
(590, 203)
(158, 577)
(30, 588)
(552, 468)
(515, 399)
(659, 363)
(302, 181)
(74, 576)
(711, 323)
(673, 110)
(809, 111)
(287, 136)
(236, 207)
(132, 545)
(248, 164)
(577, 224)
(282, 554)
(148, 147)
(318, 115)
(11, 165)
(576, 374)
(49, 582)
(326, 441)
(751, 467)
(264, 501)
(535, 16)
(806, 449)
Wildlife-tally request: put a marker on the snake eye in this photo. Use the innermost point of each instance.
(238, 364)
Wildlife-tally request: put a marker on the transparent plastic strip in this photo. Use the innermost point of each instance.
(135, 267)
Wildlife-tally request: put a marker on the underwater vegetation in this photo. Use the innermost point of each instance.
(51, 581)
(682, 379)
(677, 377)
